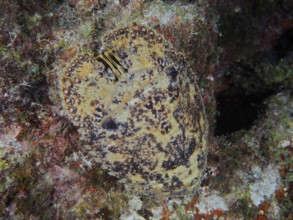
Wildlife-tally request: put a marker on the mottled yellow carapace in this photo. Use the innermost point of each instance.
(137, 103)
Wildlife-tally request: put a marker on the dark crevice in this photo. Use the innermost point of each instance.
(238, 111)
(239, 106)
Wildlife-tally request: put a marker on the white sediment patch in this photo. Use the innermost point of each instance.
(269, 181)
(213, 202)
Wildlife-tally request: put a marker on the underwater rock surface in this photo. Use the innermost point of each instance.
(237, 50)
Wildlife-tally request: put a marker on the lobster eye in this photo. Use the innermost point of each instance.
(109, 124)
(172, 72)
